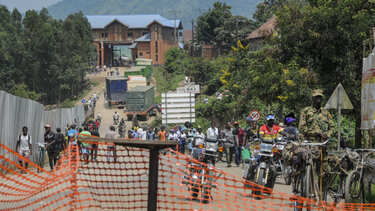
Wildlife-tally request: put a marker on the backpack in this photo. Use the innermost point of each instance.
(28, 138)
(59, 138)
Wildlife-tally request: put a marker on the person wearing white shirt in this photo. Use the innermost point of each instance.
(142, 134)
(199, 137)
(24, 147)
(212, 132)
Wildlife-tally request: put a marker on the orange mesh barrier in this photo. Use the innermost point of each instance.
(117, 179)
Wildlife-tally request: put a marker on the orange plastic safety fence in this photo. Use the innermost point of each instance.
(105, 176)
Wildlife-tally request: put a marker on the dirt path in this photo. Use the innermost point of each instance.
(107, 114)
(102, 107)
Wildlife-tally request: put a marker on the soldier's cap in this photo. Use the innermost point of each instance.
(317, 92)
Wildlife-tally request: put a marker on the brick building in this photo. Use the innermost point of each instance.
(122, 38)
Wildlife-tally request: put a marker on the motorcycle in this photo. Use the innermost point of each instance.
(266, 169)
(281, 168)
(221, 153)
(201, 177)
(250, 166)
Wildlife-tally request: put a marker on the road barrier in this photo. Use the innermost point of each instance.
(125, 178)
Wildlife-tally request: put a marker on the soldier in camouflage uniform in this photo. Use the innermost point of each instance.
(315, 122)
(316, 126)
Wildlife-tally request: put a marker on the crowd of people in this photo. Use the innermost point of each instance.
(236, 138)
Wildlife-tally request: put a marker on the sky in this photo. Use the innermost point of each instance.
(24, 5)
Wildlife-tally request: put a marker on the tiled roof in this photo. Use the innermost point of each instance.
(266, 29)
(134, 46)
(132, 21)
(144, 38)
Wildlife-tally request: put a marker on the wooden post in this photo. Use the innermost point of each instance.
(364, 49)
(153, 180)
(370, 132)
(339, 117)
(370, 41)
(364, 139)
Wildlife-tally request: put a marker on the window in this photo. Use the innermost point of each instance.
(130, 34)
(148, 52)
(156, 46)
(172, 34)
(156, 58)
(180, 34)
(140, 54)
(104, 34)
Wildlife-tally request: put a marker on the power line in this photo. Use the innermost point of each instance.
(174, 12)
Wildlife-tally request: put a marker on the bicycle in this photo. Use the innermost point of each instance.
(304, 184)
(354, 187)
(341, 164)
(41, 155)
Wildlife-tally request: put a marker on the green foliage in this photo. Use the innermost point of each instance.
(20, 90)
(49, 56)
(67, 104)
(166, 81)
(326, 37)
(219, 27)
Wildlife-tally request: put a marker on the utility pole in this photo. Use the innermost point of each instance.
(192, 36)
(174, 12)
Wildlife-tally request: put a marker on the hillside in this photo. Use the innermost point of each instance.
(187, 9)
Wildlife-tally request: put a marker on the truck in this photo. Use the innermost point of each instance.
(145, 71)
(116, 91)
(140, 102)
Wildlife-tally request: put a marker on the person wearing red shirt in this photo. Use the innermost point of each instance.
(238, 146)
(270, 130)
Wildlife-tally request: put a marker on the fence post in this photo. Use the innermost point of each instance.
(153, 179)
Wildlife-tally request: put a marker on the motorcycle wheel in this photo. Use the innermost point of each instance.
(206, 194)
(195, 193)
(271, 180)
(287, 178)
(259, 181)
(223, 157)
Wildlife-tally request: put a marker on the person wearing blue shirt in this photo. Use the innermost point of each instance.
(71, 135)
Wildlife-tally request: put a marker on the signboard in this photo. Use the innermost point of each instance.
(192, 88)
(178, 107)
(368, 93)
(255, 115)
(339, 98)
(83, 101)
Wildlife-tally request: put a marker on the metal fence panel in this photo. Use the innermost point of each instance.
(16, 112)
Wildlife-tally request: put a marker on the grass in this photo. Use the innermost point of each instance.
(165, 81)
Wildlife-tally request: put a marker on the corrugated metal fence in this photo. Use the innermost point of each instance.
(16, 112)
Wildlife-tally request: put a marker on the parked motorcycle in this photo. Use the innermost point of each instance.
(201, 177)
(221, 153)
(266, 169)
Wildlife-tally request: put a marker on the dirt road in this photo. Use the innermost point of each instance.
(107, 120)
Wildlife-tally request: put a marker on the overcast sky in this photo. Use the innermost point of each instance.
(24, 5)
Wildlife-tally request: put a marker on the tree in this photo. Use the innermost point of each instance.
(233, 29)
(326, 37)
(47, 56)
(209, 21)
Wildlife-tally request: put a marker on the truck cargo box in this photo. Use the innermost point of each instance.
(140, 98)
(116, 88)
